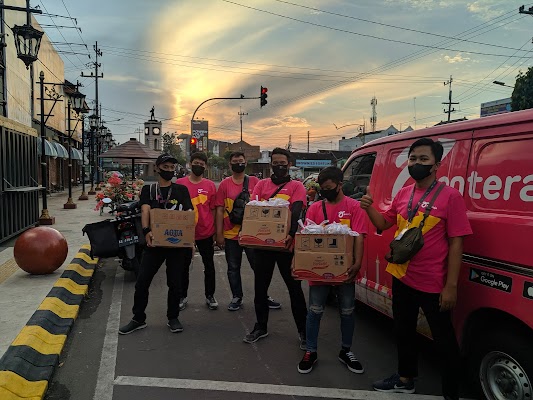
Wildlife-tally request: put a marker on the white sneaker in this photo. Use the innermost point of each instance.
(211, 302)
(183, 303)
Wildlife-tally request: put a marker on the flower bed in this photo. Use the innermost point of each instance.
(118, 190)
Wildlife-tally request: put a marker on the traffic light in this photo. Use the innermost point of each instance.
(264, 95)
(193, 145)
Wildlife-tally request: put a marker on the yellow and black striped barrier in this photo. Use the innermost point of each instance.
(28, 364)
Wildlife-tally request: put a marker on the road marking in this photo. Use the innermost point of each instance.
(108, 359)
(261, 388)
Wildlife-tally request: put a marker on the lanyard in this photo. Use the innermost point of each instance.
(168, 196)
(410, 212)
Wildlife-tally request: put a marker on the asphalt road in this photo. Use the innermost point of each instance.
(209, 359)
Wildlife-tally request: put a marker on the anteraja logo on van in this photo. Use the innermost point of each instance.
(476, 184)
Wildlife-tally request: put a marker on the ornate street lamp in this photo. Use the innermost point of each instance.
(78, 101)
(27, 38)
(27, 42)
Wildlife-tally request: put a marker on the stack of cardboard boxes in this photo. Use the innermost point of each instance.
(265, 227)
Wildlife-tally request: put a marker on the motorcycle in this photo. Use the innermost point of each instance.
(130, 243)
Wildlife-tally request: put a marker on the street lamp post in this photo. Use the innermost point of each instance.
(502, 84)
(69, 205)
(83, 195)
(45, 218)
(78, 99)
(93, 124)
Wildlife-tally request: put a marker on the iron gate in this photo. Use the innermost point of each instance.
(19, 191)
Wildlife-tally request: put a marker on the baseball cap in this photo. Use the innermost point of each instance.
(165, 158)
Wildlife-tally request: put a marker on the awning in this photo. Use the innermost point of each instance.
(61, 151)
(75, 154)
(49, 148)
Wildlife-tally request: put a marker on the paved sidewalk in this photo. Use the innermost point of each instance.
(21, 293)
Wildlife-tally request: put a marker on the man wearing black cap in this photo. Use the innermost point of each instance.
(171, 196)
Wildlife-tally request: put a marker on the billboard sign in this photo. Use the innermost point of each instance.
(199, 130)
(496, 107)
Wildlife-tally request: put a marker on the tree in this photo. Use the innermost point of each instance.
(522, 97)
(171, 146)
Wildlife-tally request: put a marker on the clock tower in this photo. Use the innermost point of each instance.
(152, 133)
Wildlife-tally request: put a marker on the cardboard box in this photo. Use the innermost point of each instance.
(265, 227)
(322, 258)
(172, 228)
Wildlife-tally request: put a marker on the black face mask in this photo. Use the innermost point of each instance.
(198, 170)
(420, 171)
(329, 194)
(166, 175)
(238, 168)
(280, 170)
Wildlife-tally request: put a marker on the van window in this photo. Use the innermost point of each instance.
(357, 175)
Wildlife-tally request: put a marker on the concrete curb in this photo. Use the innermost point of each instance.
(29, 363)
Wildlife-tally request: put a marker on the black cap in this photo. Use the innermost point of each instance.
(164, 158)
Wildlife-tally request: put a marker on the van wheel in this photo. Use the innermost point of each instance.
(503, 366)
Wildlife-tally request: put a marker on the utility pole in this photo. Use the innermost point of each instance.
(308, 135)
(240, 113)
(449, 103)
(289, 145)
(374, 117)
(96, 76)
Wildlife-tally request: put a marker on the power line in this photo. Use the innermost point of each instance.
(392, 26)
(364, 34)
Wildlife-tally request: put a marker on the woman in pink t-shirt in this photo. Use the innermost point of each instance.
(429, 279)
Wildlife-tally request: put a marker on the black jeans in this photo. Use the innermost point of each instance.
(206, 250)
(264, 269)
(233, 252)
(406, 302)
(152, 260)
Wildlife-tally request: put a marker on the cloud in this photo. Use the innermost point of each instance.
(456, 59)
(282, 122)
(486, 9)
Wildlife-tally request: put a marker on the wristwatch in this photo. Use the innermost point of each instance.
(146, 230)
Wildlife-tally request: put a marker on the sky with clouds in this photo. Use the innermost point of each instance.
(322, 61)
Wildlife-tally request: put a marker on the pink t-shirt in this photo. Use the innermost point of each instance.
(347, 212)
(427, 270)
(227, 192)
(293, 191)
(203, 199)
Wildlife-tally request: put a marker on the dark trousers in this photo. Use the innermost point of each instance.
(207, 251)
(233, 252)
(153, 258)
(265, 261)
(406, 302)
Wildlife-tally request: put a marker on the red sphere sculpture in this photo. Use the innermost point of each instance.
(40, 250)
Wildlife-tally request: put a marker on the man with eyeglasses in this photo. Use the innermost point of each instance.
(228, 233)
(279, 185)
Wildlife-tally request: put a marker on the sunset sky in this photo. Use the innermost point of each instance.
(322, 61)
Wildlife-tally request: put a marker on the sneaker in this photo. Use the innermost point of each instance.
(175, 325)
(255, 335)
(132, 326)
(211, 302)
(348, 358)
(235, 304)
(306, 365)
(394, 384)
(273, 304)
(183, 303)
(303, 341)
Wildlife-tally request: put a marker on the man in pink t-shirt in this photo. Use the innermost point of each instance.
(202, 192)
(345, 210)
(429, 279)
(227, 233)
(281, 186)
